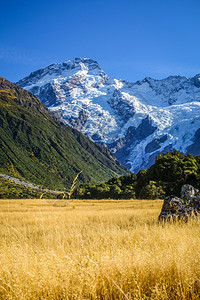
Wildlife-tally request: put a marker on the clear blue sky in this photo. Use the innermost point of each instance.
(129, 39)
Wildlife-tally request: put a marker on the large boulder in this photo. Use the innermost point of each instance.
(175, 208)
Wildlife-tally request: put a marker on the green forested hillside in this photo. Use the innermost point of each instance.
(36, 147)
(165, 177)
(12, 190)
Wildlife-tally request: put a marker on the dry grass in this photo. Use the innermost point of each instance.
(96, 250)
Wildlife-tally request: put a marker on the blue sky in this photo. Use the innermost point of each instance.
(129, 39)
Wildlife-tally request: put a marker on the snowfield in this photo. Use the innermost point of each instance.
(136, 121)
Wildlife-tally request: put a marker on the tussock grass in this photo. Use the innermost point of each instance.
(96, 250)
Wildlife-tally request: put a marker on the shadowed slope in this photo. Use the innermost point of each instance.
(35, 146)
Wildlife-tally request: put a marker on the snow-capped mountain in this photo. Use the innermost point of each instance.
(136, 121)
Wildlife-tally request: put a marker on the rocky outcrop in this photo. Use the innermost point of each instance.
(188, 205)
(30, 185)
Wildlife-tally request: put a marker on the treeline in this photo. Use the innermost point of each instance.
(165, 177)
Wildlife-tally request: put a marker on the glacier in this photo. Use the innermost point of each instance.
(135, 120)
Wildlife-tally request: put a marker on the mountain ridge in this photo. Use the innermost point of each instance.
(136, 121)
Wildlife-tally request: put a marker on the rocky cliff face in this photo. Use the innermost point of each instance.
(136, 121)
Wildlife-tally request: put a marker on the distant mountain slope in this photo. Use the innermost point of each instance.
(35, 146)
(136, 121)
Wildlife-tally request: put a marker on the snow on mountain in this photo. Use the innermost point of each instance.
(136, 121)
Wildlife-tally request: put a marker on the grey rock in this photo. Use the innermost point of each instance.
(155, 144)
(79, 122)
(188, 192)
(152, 159)
(121, 105)
(30, 185)
(196, 81)
(46, 92)
(195, 147)
(122, 147)
(188, 205)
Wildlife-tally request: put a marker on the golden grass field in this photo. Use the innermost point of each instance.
(99, 249)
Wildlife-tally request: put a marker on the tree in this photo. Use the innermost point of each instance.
(152, 191)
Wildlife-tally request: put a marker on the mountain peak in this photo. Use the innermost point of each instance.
(62, 70)
(81, 62)
(114, 112)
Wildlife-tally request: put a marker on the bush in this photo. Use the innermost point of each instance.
(152, 191)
